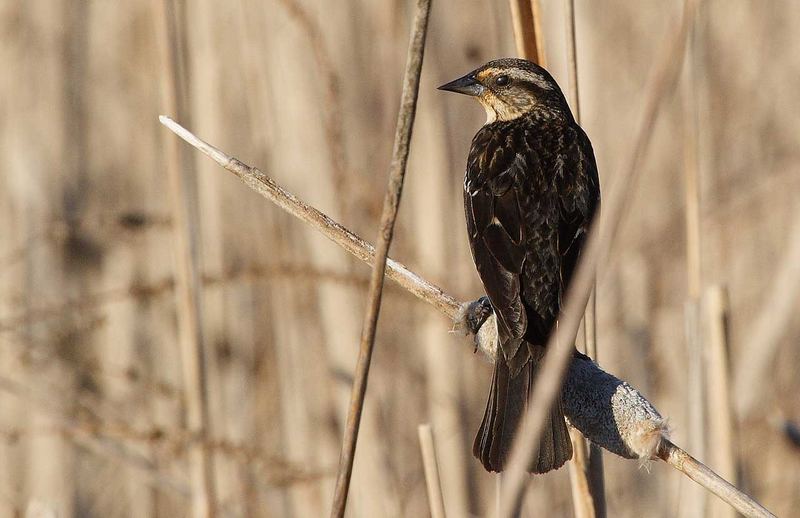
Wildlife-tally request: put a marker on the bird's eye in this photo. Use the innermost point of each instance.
(502, 80)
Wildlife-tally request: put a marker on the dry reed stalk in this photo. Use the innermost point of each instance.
(572, 59)
(589, 380)
(586, 468)
(526, 21)
(538, 34)
(692, 177)
(582, 501)
(432, 480)
(560, 345)
(266, 187)
(391, 203)
(703, 475)
(526, 17)
(695, 500)
(720, 420)
(187, 277)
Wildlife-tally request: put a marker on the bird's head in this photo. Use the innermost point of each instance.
(510, 88)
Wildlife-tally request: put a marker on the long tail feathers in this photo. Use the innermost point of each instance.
(504, 411)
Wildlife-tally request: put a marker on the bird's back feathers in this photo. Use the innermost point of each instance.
(530, 193)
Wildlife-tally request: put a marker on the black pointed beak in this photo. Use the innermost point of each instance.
(467, 85)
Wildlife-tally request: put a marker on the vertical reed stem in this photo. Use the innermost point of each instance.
(432, 480)
(695, 499)
(586, 469)
(526, 20)
(720, 420)
(187, 278)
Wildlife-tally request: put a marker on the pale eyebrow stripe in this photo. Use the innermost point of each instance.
(532, 78)
(518, 73)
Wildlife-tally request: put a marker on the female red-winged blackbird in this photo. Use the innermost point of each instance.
(530, 193)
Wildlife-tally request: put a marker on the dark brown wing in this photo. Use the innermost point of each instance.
(579, 195)
(499, 216)
(528, 200)
(529, 195)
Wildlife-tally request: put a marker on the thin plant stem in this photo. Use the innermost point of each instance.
(187, 277)
(432, 480)
(525, 17)
(694, 501)
(266, 187)
(703, 475)
(586, 469)
(719, 412)
(560, 344)
(391, 203)
(582, 501)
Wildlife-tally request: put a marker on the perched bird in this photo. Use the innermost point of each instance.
(530, 193)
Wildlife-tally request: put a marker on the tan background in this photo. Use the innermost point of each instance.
(90, 381)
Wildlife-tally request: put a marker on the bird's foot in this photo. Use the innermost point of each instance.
(472, 316)
(477, 318)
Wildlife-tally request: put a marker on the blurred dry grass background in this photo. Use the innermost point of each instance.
(92, 419)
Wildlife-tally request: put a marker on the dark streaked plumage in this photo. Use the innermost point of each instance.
(530, 192)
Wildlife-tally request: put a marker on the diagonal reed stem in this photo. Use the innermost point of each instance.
(560, 345)
(266, 187)
(586, 469)
(703, 475)
(391, 203)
